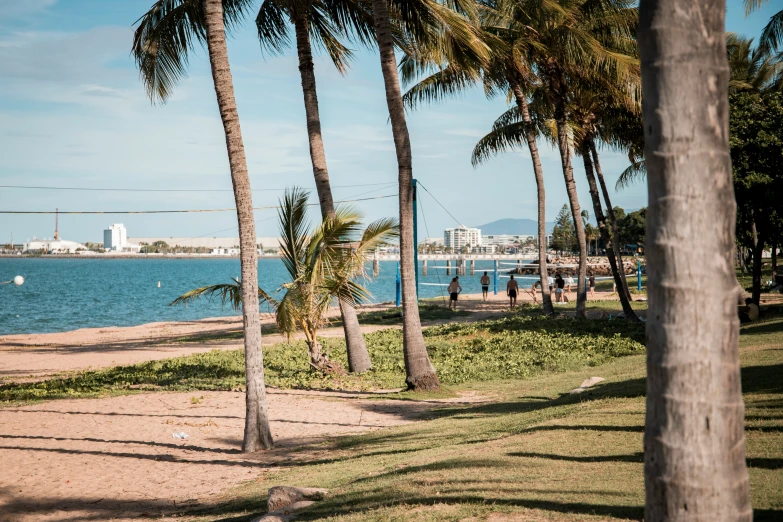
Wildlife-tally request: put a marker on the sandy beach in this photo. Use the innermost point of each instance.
(116, 458)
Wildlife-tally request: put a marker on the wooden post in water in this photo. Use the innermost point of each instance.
(424, 267)
(376, 266)
(519, 266)
(472, 267)
(448, 267)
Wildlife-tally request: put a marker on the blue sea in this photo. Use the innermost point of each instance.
(61, 294)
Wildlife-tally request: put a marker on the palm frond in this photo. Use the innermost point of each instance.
(293, 230)
(772, 35)
(636, 172)
(167, 33)
(497, 141)
(230, 293)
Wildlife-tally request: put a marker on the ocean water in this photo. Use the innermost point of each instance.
(65, 294)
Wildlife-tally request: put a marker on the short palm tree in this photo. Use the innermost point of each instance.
(163, 37)
(323, 265)
(327, 23)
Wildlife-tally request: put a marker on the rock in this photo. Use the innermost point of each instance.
(285, 514)
(587, 383)
(283, 496)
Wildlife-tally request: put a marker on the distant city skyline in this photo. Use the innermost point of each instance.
(74, 114)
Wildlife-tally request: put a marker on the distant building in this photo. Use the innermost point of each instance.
(460, 237)
(224, 252)
(115, 239)
(53, 246)
(504, 240)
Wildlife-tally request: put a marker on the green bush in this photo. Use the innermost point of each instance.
(511, 348)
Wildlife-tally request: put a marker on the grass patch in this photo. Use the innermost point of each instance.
(535, 453)
(518, 346)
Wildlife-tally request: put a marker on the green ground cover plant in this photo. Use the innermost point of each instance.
(517, 346)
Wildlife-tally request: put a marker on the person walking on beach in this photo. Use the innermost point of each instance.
(560, 284)
(484, 286)
(454, 291)
(551, 281)
(569, 283)
(511, 290)
(591, 284)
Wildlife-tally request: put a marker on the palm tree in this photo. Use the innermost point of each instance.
(772, 34)
(581, 38)
(694, 448)
(322, 263)
(506, 72)
(419, 20)
(326, 22)
(162, 40)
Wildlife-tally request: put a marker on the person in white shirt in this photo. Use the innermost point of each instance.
(569, 282)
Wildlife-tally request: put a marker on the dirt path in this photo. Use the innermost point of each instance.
(116, 458)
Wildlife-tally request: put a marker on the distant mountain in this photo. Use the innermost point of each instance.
(526, 227)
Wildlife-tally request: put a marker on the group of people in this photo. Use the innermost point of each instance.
(557, 285)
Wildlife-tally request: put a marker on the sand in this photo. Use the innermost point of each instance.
(115, 458)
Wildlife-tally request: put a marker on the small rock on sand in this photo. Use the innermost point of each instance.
(587, 383)
(283, 496)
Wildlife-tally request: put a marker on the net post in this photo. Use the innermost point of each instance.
(495, 278)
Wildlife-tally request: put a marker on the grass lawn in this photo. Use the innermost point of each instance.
(534, 453)
(531, 452)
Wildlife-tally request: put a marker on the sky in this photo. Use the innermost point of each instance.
(73, 113)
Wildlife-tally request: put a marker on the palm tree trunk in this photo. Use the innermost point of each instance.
(257, 433)
(420, 374)
(538, 172)
(358, 356)
(604, 231)
(774, 261)
(758, 251)
(612, 221)
(557, 86)
(576, 213)
(694, 441)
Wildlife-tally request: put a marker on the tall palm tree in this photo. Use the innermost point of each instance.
(580, 38)
(162, 40)
(507, 72)
(326, 22)
(694, 442)
(418, 20)
(322, 263)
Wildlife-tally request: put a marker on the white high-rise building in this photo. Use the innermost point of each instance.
(115, 237)
(462, 236)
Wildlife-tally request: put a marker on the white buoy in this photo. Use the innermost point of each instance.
(18, 280)
(158, 284)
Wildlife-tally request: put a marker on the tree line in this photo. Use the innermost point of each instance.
(578, 77)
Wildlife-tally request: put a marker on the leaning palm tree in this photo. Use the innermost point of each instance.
(417, 20)
(327, 23)
(323, 265)
(694, 441)
(164, 36)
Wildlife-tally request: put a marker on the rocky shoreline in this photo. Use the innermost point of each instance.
(597, 266)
